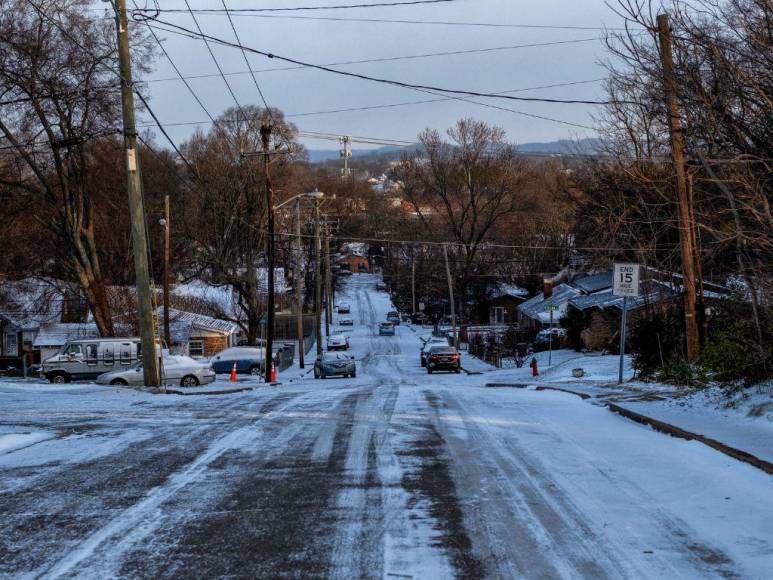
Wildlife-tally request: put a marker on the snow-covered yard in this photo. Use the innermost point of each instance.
(393, 474)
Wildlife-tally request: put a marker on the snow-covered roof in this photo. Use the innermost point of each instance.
(31, 302)
(181, 324)
(535, 307)
(652, 292)
(501, 290)
(53, 334)
(593, 282)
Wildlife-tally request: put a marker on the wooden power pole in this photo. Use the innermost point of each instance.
(298, 278)
(686, 217)
(136, 207)
(328, 282)
(451, 297)
(265, 138)
(167, 257)
(318, 278)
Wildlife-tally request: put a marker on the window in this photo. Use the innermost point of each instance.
(74, 349)
(196, 348)
(499, 315)
(126, 354)
(108, 354)
(92, 353)
(11, 344)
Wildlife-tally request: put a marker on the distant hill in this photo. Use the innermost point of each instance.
(587, 146)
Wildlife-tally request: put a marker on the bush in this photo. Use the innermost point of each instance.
(656, 341)
(678, 371)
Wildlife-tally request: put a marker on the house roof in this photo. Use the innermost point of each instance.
(55, 334)
(654, 292)
(31, 302)
(501, 290)
(535, 307)
(593, 282)
(181, 324)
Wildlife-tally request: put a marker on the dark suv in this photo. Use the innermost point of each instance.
(443, 358)
(393, 317)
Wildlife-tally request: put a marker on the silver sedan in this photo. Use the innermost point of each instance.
(334, 363)
(176, 370)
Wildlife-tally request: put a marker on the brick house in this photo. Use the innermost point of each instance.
(353, 263)
(197, 335)
(502, 304)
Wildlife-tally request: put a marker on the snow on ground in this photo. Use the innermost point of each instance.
(393, 474)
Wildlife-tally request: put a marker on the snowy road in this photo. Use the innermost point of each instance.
(394, 474)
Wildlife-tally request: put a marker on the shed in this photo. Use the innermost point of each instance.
(503, 301)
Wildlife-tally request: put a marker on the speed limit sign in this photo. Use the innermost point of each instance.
(626, 280)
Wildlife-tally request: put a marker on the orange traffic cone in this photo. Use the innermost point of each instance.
(272, 374)
(233, 373)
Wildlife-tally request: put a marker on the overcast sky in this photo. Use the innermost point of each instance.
(297, 92)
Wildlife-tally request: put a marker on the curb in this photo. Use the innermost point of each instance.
(471, 372)
(514, 385)
(583, 396)
(199, 393)
(669, 429)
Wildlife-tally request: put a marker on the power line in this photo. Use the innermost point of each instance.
(297, 8)
(193, 34)
(424, 22)
(214, 59)
(372, 60)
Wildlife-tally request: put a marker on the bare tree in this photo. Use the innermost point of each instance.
(59, 96)
(225, 214)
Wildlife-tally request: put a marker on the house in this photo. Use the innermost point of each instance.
(197, 335)
(27, 304)
(502, 303)
(535, 313)
(52, 336)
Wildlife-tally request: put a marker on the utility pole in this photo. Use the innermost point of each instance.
(451, 297)
(167, 251)
(318, 278)
(328, 282)
(265, 137)
(346, 152)
(686, 225)
(136, 207)
(413, 284)
(299, 280)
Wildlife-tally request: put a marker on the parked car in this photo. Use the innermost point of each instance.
(442, 357)
(334, 363)
(548, 335)
(429, 343)
(248, 359)
(337, 342)
(89, 358)
(346, 321)
(419, 318)
(393, 317)
(344, 308)
(175, 370)
(381, 287)
(386, 329)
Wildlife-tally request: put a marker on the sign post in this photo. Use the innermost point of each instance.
(625, 284)
(550, 308)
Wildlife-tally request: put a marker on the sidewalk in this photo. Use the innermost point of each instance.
(743, 421)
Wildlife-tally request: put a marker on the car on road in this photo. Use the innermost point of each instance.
(337, 342)
(344, 308)
(550, 335)
(381, 287)
(346, 321)
(443, 358)
(429, 343)
(386, 329)
(334, 363)
(175, 370)
(249, 360)
(393, 317)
